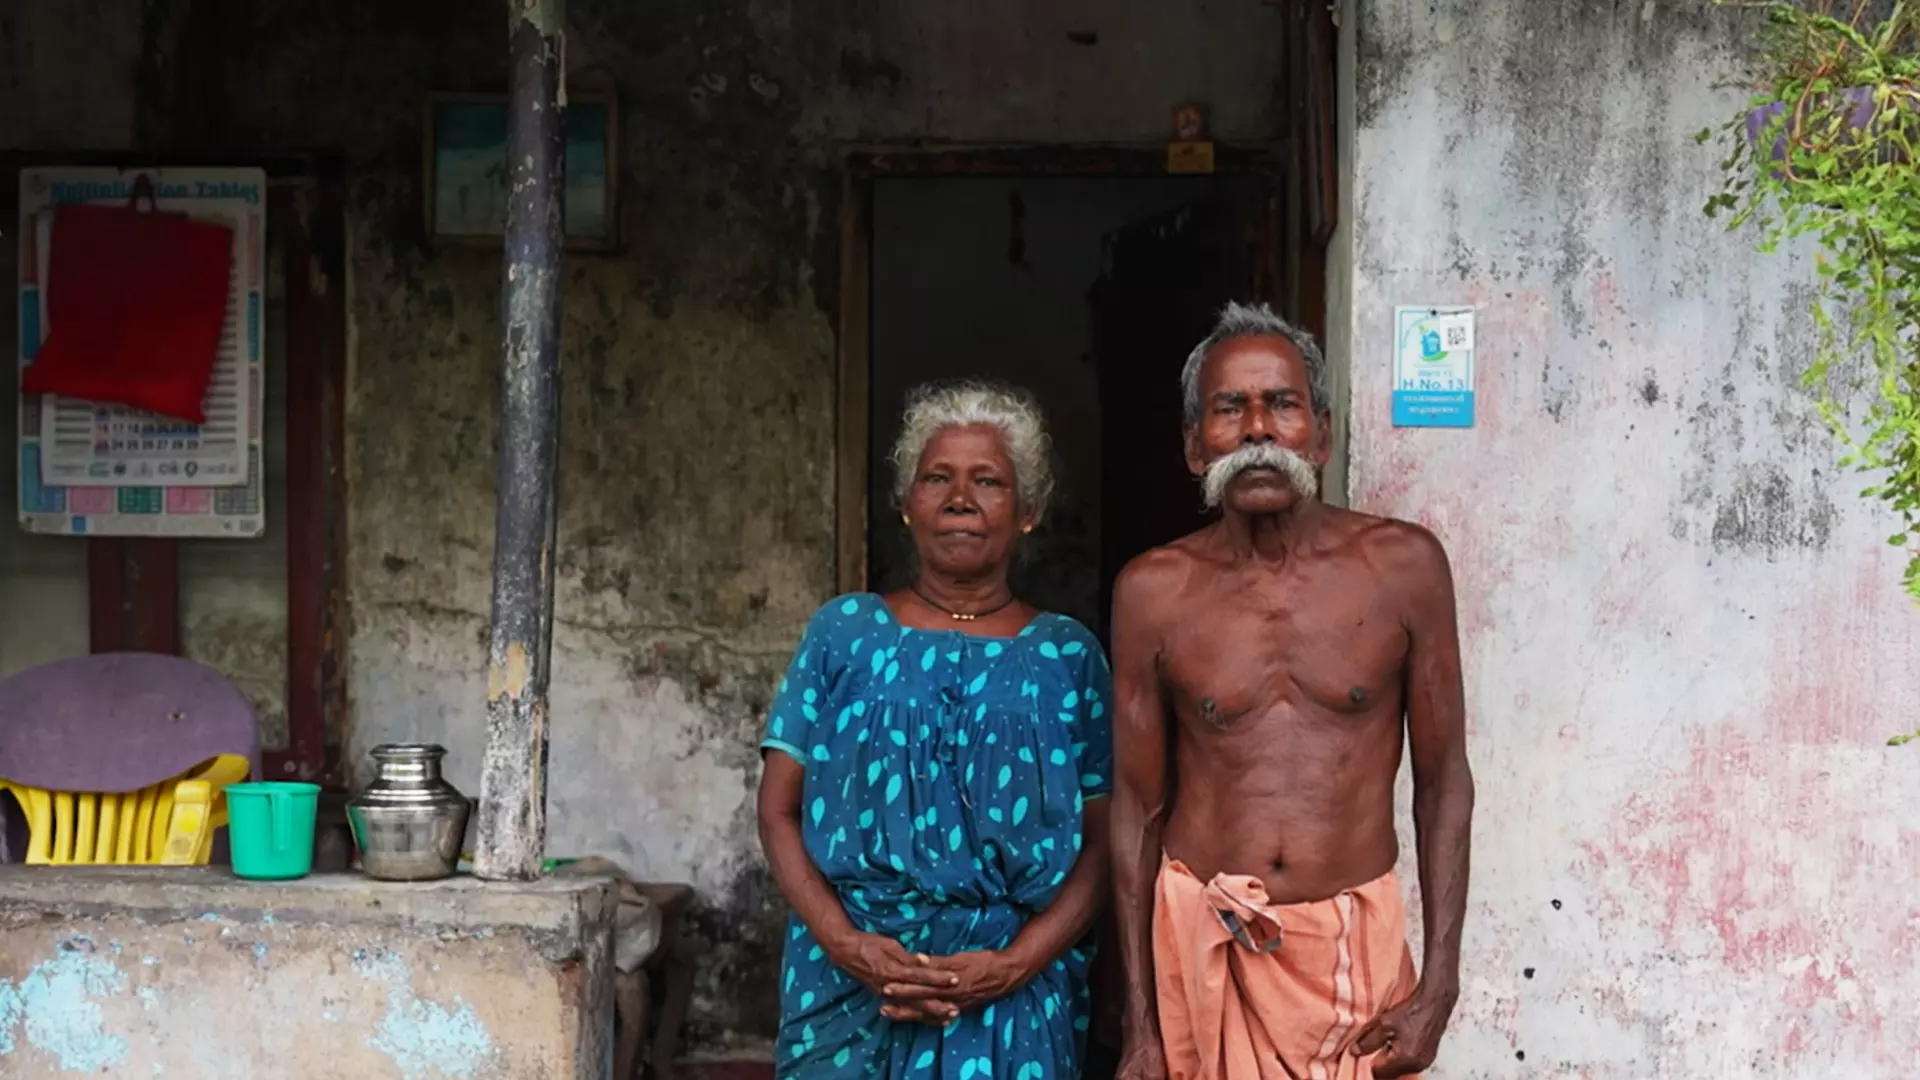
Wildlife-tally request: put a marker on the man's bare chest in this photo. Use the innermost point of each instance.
(1230, 655)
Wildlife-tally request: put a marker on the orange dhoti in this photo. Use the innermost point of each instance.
(1251, 990)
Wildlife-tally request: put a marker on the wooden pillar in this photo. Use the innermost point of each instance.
(133, 594)
(512, 823)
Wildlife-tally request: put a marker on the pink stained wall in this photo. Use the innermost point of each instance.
(1685, 639)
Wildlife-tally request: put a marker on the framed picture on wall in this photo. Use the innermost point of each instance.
(465, 170)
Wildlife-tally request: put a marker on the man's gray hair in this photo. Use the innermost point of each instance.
(1239, 320)
(1013, 412)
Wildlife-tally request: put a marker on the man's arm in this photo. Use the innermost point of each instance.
(1406, 1038)
(1442, 779)
(1139, 812)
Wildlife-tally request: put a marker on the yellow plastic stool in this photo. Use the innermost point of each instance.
(167, 824)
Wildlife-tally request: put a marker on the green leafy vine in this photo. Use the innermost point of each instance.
(1825, 148)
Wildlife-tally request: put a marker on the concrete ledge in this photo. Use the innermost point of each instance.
(171, 972)
(560, 907)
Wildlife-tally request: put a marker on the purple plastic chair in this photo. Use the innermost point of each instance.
(117, 722)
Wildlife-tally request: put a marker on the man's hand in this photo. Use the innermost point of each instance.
(1407, 1035)
(973, 979)
(1142, 1059)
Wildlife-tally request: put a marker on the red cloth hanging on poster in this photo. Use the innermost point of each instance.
(135, 303)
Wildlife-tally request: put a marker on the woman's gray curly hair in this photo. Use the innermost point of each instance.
(1013, 412)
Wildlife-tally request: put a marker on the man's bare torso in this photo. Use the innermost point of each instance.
(1285, 680)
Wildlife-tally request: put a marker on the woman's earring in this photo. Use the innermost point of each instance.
(1026, 528)
(905, 520)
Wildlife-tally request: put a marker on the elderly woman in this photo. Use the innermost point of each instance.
(935, 811)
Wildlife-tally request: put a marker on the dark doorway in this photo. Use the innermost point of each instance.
(1162, 282)
(1087, 291)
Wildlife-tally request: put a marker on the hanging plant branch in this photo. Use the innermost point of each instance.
(1825, 149)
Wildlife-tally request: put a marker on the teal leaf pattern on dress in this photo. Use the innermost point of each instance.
(944, 805)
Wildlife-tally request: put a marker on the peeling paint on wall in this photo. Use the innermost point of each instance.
(423, 1038)
(1768, 512)
(53, 1009)
(449, 981)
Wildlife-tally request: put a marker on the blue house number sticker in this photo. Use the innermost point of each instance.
(1433, 366)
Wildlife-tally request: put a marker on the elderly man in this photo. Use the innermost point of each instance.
(1264, 668)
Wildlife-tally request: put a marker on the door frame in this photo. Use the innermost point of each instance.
(1289, 271)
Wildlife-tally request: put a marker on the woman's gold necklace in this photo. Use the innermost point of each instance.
(960, 616)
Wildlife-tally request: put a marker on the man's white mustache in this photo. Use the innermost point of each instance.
(1297, 470)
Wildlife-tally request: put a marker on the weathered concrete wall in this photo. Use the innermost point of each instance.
(696, 507)
(192, 973)
(1685, 640)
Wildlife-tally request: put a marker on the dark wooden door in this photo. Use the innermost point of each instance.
(1163, 281)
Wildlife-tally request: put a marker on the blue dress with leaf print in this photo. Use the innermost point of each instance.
(945, 778)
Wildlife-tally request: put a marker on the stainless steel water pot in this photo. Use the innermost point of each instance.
(409, 823)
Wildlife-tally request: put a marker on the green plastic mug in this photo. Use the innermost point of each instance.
(270, 829)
